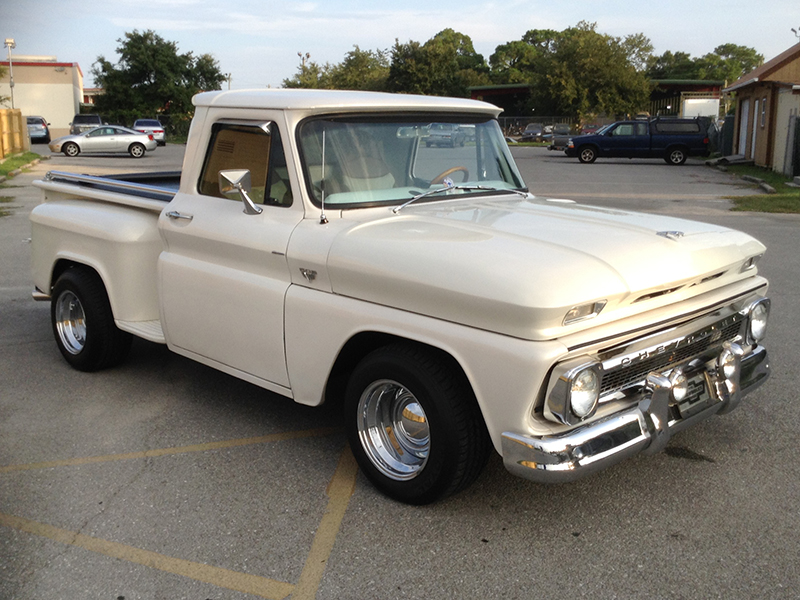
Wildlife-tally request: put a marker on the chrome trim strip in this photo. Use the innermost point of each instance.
(109, 183)
(683, 319)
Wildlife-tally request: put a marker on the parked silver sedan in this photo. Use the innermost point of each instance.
(108, 138)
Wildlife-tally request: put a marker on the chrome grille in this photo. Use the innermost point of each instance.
(637, 369)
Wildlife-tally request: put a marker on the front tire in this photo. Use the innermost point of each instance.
(136, 150)
(83, 323)
(587, 154)
(414, 425)
(71, 149)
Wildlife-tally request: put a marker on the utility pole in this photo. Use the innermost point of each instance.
(9, 43)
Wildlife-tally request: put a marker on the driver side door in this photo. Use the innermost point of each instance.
(224, 273)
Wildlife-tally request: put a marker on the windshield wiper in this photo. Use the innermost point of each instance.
(486, 188)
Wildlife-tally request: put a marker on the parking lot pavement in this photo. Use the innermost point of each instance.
(649, 185)
(164, 479)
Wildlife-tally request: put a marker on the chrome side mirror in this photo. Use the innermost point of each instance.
(235, 184)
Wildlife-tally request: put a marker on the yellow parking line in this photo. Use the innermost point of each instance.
(275, 437)
(232, 580)
(340, 489)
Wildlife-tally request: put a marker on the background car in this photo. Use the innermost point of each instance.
(560, 136)
(589, 128)
(81, 123)
(153, 126)
(532, 133)
(445, 134)
(106, 139)
(38, 130)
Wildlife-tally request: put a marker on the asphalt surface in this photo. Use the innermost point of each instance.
(164, 479)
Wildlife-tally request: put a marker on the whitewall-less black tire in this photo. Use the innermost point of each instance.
(414, 425)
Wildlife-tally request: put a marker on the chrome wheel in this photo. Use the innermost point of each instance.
(676, 157)
(70, 322)
(72, 150)
(393, 430)
(587, 155)
(136, 151)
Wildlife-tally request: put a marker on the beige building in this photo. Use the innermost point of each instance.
(44, 87)
(767, 108)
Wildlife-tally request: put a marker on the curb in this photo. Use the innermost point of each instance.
(15, 172)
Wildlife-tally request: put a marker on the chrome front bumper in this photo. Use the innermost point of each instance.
(644, 428)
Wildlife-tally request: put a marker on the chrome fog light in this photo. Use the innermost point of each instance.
(757, 326)
(680, 385)
(584, 393)
(728, 361)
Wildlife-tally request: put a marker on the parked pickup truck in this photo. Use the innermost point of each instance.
(669, 138)
(314, 246)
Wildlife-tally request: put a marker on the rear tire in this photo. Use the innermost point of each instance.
(414, 425)
(136, 150)
(83, 323)
(675, 156)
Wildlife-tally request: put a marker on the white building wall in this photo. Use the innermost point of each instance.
(47, 89)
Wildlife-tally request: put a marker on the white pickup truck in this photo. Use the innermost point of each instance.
(316, 246)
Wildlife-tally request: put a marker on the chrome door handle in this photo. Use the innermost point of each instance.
(174, 214)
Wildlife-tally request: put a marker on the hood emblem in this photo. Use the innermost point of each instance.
(672, 235)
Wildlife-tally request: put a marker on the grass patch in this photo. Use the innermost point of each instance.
(786, 199)
(5, 199)
(16, 161)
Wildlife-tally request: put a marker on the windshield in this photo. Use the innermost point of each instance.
(355, 162)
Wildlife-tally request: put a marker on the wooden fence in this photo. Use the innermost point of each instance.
(13, 132)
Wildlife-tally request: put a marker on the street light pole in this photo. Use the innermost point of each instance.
(9, 43)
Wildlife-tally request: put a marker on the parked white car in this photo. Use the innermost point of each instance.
(105, 139)
(153, 126)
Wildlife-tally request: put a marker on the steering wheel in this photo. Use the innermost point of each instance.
(440, 178)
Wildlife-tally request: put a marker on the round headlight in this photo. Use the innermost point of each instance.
(758, 321)
(584, 392)
(680, 385)
(727, 363)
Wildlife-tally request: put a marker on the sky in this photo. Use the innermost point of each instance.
(257, 42)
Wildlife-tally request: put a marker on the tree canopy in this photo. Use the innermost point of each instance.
(152, 78)
(578, 71)
(727, 62)
(445, 65)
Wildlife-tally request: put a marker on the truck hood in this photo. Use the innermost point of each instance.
(517, 266)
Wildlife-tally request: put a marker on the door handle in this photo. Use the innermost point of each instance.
(174, 214)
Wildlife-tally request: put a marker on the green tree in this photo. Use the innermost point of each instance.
(361, 70)
(152, 79)
(578, 71)
(678, 65)
(3, 99)
(513, 62)
(728, 62)
(446, 65)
